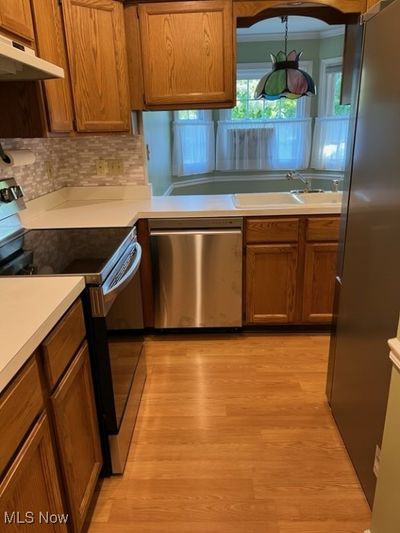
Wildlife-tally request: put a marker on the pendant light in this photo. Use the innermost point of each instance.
(286, 79)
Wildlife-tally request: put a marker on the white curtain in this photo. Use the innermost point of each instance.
(263, 145)
(330, 143)
(193, 147)
(243, 146)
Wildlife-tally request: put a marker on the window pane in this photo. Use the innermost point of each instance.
(248, 108)
(252, 87)
(339, 110)
(256, 109)
(288, 108)
(273, 109)
(242, 89)
(189, 114)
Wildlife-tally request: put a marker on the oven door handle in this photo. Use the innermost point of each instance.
(102, 298)
(113, 291)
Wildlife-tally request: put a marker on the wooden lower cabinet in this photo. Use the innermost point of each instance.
(53, 394)
(77, 436)
(290, 269)
(30, 488)
(271, 283)
(319, 282)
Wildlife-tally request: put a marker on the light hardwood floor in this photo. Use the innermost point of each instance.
(234, 436)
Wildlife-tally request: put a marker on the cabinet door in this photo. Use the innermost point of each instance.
(31, 487)
(51, 47)
(96, 51)
(77, 436)
(16, 17)
(187, 52)
(319, 282)
(271, 272)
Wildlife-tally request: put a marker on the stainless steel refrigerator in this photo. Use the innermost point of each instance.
(369, 299)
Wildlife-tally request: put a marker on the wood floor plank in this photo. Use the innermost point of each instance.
(234, 435)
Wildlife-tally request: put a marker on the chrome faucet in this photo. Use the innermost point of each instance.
(293, 174)
(335, 185)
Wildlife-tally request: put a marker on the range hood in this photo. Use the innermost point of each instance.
(20, 63)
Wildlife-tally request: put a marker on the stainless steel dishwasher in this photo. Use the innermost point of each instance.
(197, 272)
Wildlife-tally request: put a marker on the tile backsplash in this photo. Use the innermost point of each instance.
(62, 162)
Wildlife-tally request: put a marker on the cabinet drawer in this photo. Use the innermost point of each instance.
(323, 229)
(62, 343)
(272, 230)
(20, 404)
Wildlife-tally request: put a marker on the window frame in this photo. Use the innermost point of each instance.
(324, 90)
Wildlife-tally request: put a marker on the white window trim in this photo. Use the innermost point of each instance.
(322, 96)
(257, 71)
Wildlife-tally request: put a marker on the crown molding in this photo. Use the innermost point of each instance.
(298, 36)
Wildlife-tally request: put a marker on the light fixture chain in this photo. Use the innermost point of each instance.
(286, 35)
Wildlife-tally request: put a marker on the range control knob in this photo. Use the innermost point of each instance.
(17, 192)
(6, 195)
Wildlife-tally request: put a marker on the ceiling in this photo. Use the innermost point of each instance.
(273, 28)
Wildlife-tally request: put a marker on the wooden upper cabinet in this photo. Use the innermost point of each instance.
(31, 483)
(51, 47)
(188, 53)
(16, 18)
(371, 3)
(95, 36)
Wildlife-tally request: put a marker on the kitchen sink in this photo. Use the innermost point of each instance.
(322, 198)
(279, 199)
(267, 199)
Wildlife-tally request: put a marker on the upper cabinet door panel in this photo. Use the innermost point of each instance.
(96, 49)
(51, 47)
(16, 17)
(187, 52)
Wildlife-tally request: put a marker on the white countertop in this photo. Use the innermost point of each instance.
(29, 309)
(66, 209)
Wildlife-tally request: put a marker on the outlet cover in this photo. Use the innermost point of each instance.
(101, 167)
(49, 169)
(115, 167)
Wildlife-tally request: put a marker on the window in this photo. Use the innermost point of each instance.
(247, 107)
(331, 129)
(192, 114)
(193, 143)
(330, 87)
(263, 135)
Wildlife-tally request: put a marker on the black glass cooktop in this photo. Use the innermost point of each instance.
(62, 251)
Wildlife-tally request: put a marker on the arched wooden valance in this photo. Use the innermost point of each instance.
(331, 12)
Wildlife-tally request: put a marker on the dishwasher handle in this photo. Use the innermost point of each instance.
(165, 232)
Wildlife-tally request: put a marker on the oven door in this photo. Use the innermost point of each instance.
(117, 353)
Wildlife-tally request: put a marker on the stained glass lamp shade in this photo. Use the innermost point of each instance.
(286, 80)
